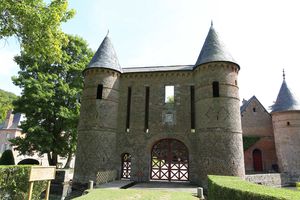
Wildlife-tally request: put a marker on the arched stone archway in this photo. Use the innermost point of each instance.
(169, 161)
(29, 161)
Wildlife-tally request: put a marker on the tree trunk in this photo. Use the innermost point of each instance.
(69, 159)
(52, 159)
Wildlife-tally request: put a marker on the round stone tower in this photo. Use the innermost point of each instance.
(96, 150)
(286, 123)
(218, 122)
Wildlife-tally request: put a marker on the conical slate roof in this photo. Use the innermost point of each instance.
(213, 49)
(286, 100)
(105, 57)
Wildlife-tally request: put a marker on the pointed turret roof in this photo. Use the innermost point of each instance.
(105, 57)
(286, 100)
(213, 49)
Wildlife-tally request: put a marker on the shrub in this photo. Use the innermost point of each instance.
(7, 158)
(234, 188)
(14, 183)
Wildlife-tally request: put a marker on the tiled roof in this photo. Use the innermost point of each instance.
(105, 57)
(246, 104)
(17, 118)
(158, 68)
(16, 121)
(286, 100)
(213, 49)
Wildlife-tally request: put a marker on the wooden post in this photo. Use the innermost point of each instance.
(41, 174)
(48, 190)
(30, 190)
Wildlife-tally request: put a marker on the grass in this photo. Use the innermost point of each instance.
(111, 194)
(236, 185)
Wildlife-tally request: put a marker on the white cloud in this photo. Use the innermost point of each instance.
(8, 68)
(7, 65)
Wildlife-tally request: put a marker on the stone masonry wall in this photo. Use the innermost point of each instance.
(275, 179)
(257, 122)
(214, 147)
(287, 141)
(96, 149)
(218, 122)
(269, 159)
(139, 143)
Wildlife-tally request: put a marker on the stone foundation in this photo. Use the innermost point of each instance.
(274, 179)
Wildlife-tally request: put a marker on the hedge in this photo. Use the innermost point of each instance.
(234, 188)
(14, 183)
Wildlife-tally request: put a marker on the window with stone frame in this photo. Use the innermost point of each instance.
(169, 94)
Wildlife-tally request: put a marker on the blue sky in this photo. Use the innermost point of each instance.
(262, 36)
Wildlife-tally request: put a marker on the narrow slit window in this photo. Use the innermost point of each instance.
(147, 109)
(128, 109)
(169, 94)
(99, 91)
(192, 90)
(215, 86)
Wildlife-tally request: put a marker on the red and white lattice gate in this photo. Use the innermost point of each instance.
(169, 161)
(126, 165)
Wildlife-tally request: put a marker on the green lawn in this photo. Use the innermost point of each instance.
(123, 194)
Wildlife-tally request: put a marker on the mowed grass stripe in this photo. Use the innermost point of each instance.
(111, 194)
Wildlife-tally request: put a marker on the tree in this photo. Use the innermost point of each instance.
(6, 99)
(49, 100)
(36, 25)
(7, 158)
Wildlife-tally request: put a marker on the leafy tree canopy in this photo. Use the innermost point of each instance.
(50, 92)
(6, 99)
(36, 25)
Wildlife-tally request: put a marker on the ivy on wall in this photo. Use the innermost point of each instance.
(248, 141)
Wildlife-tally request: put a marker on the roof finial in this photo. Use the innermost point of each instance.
(283, 74)
(211, 23)
(107, 33)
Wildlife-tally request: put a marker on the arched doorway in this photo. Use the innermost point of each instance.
(169, 161)
(257, 160)
(29, 161)
(126, 165)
